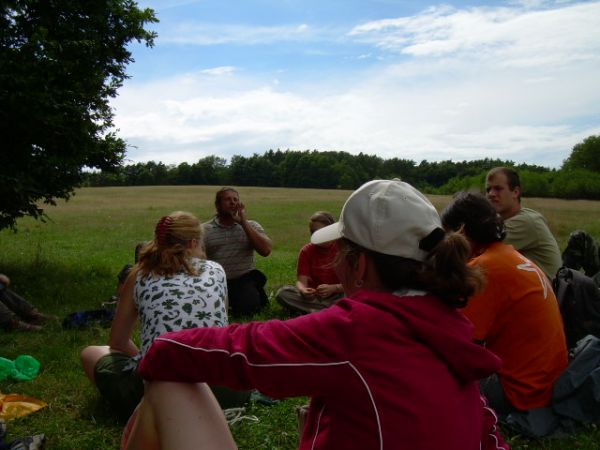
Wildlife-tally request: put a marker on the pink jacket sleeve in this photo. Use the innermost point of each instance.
(297, 357)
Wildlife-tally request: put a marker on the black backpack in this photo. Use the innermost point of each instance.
(579, 301)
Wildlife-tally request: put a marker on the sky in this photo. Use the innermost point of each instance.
(418, 80)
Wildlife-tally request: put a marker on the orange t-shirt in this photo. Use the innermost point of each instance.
(518, 317)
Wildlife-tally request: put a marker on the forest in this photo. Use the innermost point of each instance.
(578, 178)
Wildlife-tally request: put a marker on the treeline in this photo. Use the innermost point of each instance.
(341, 170)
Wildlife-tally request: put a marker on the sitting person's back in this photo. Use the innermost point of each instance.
(516, 316)
(180, 301)
(528, 232)
(171, 288)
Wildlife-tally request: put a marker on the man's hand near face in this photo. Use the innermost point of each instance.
(239, 214)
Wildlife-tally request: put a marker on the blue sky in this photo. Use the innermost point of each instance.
(459, 80)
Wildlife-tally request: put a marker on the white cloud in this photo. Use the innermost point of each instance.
(509, 83)
(448, 122)
(199, 33)
(218, 71)
(506, 36)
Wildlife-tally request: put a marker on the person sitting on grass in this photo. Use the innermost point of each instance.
(317, 285)
(232, 239)
(517, 316)
(16, 313)
(392, 365)
(526, 229)
(172, 287)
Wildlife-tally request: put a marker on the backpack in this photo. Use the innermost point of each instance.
(579, 301)
(575, 399)
(577, 390)
(582, 252)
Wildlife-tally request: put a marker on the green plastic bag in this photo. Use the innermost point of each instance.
(23, 368)
(7, 369)
(27, 367)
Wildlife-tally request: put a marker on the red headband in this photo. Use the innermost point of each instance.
(161, 232)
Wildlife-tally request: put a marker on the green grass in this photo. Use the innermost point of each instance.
(70, 264)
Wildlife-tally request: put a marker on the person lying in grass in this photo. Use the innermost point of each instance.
(391, 366)
(16, 313)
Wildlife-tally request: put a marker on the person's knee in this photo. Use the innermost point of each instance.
(90, 356)
(160, 393)
(93, 352)
(280, 295)
(86, 355)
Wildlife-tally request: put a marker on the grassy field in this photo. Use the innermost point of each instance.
(70, 264)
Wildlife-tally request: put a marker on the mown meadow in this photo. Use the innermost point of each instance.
(70, 264)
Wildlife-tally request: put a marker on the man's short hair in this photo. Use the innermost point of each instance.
(222, 191)
(512, 177)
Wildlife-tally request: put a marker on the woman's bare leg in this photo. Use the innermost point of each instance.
(89, 357)
(179, 416)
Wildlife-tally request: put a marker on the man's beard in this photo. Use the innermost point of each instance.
(225, 212)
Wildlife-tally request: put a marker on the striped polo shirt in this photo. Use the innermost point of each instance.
(230, 247)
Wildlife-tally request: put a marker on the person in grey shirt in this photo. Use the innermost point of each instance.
(231, 240)
(526, 229)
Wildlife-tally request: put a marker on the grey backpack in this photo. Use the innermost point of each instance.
(579, 300)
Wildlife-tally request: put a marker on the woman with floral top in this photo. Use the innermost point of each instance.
(171, 288)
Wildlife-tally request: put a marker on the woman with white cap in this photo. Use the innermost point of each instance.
(390, 366)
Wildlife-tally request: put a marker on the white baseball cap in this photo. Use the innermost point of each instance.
(389, 217)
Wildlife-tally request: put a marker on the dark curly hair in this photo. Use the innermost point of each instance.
(445, 273)
(476, 216)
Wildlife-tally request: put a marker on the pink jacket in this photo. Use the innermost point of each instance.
(383, 371)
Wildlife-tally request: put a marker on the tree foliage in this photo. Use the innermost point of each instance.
(307, 169)
(60, 63)
(341, 170)
(585, 155)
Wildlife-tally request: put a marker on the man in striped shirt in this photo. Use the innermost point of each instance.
(231, 240)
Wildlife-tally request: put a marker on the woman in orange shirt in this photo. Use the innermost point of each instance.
(516, 316)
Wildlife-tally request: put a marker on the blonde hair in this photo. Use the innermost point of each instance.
(170, 251)
(322, 217)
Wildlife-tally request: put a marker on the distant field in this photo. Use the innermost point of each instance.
(70, 264)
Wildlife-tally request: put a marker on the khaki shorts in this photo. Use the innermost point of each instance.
(122, 389)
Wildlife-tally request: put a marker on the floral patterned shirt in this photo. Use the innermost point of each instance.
(180, 301)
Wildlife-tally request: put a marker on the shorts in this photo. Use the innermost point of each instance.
(122, 389)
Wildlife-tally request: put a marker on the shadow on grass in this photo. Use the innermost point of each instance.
(98, 411)
(60, 289)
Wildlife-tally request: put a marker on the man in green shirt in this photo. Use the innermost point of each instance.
(526, 229)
